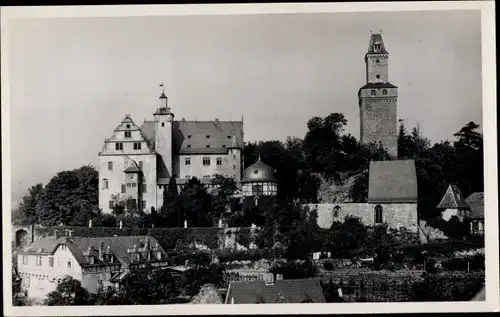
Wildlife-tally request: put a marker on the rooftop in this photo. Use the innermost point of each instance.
(392, 182)
(453, 199)
(476, 203)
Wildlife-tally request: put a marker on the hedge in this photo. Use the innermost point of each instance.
(168, 238)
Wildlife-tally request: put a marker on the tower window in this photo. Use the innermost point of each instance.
(187, 161)
(208, 136)
(384, 91)
(373, 92)
(378, 76)
(336, 211)
(219, 161)
(110, 166)
(128, 126)
(105, 184)
(376, 47)
(189, 136)
(189, 146)
(128, 134)
(207, 146)
(119, 146)
(137, 145)
(163, 124)
(377, 61)
(206, 161)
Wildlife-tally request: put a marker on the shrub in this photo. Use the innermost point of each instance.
(328, 265)
(295, 270)
(449, 286)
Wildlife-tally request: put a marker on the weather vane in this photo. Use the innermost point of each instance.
(162, 87)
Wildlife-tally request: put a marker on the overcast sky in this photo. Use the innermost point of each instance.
(73, 80)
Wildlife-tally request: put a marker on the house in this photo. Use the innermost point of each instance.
(476, 215)
(270, 291)
(137, 162)
(259, 179)
(453, 204)
(98, 263)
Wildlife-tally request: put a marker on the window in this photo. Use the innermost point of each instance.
(223, 146)
(110, 166)
(124, 188)
(207, 146)
(69, 263)
(255, 172)
(129, 184)
(119, 146)
(336, 211)
(189, 136)
(140, 164)
(133, 184)
(377, 61)
(206, 161)
(234, 167)
(63, 247)
(257, 190)
(189, 146)
(187, 161)
(208, 136)
(105, 184)
(378, 76)
(163, 124)
(376, 47)
(111, 204)
(187, 176)
(378, 214)
(51, 261)
(206, 176)
(144, 188)
(137, 145)
(143, 204)
(25, 259)
(229, 137)
(91, 259)
(38, 261)
(219, 161)
(128, 134)
(234, 156)
(373, 92)
(384, 91)
(128, 126)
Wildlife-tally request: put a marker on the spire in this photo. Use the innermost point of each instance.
(163, 97)
(376, 45)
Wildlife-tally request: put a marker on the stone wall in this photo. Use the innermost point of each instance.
(394, 215)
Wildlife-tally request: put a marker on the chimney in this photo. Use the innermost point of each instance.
(279, 277)
(101, 250)
(56, 234)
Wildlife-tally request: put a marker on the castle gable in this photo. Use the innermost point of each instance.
(127, 132)
(392, 182)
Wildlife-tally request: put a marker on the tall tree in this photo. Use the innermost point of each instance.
(225, 189)
(27, 207)
(67, 196)
(195, 205)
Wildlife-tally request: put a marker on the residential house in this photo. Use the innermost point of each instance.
(453, 204)
(476, 215)
(98, 263)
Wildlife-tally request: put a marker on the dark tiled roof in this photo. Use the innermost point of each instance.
(282, 291)
(79, 246)
(378, 85)
(190, 137)
(258, 172)
(377, 38)
(476, 203)
(392, 182)
(453, 199)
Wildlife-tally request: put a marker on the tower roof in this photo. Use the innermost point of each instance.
(376, 38)
(258, 172)
(453, 199)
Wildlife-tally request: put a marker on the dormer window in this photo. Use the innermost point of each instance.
(128, 134)
(384, 91)
(111, 258)
(373, 92)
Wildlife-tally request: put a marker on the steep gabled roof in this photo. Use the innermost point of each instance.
(476, 203)
(192, 137)
(453, 199)
(392, 182)
(282, 291)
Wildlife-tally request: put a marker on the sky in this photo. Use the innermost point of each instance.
(72, 80)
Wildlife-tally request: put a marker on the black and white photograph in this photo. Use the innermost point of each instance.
(167, 156)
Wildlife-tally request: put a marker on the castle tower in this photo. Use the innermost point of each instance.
(234, 152)
(163, 119)
(378, 99)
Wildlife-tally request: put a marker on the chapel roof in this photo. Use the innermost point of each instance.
(476, 203)
(453, 199)
(392, 182)
(281, 291)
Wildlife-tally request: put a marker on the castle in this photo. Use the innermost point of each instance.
(138, 162)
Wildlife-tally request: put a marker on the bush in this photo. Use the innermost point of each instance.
(328, 265)
(449, 286)
(473, 263)
(295, 270)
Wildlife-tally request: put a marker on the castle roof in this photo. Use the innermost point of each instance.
(79, 246)
(392, 182)
(258, 172)
(476, 203)
(193, 137)
(453, 199)
(281, 291)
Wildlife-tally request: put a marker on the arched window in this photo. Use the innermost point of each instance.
(336, 211)
(378, 214)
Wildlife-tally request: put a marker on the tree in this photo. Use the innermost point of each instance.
(358, 192)
(67, 196)
(69, 292)
(26, 211)
(194, 205)
(225, 190)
